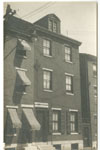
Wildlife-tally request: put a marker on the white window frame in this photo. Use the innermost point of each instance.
(49, 89)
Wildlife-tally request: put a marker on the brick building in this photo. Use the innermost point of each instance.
(42, 99)
(88, 74)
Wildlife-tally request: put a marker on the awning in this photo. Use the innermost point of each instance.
(23, 77)
(14, 118)
(25, 45)
(31, 118)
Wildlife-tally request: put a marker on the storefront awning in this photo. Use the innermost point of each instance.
(31, 118)
(23, 77)
(25, 45)
(14, 118)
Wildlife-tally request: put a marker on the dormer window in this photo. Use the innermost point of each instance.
(52, 26)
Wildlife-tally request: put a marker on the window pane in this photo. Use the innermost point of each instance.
(67, 54)
(46, 47)
(54, 27)
(47, 80)
(50, 25)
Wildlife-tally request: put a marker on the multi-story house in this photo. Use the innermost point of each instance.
(42, 86)
(88, 74)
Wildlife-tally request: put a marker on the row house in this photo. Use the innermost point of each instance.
(88, 74)
(42, 97)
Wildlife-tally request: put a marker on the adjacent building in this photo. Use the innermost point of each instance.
(42, 97)
(88, 74)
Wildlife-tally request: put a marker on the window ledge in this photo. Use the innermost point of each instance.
(47, 90)
(12, 134)
(74, 133)
(58, 133)
(70, 62)
(47, 56)
(22, 56)
(23, 93)
(70, 94)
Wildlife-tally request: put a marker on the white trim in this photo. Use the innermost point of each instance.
(20, 69)
(56, 108)
(74, 133)
(69, 74)
(47, 90)
(11, 106)
(39, 103)
(47, 69)
(58, 133)
(70, 62)
(59, 142)
(72, 94)
(74, 110)
(23, 93)
(28, 106)
(47, 56)
(11, 146)
(41, 106)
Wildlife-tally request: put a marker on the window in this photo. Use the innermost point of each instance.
(47, 80)
(21, 89)
(56, 121)
(73, 122)
(94, 70)
(95, 91)
(46, 47)
(74, 146)
(21, 52)
(69, 82)
(54, 27)
(50, 25)
(68, 54)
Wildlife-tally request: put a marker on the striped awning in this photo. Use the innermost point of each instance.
(31, 118)
(14, 118)
(24, 44)
(23, 77)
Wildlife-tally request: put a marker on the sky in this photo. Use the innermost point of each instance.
(78, 19)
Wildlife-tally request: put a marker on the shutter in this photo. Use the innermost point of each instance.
(68, 122)
(63, 121)
(79, 123)
(50, 121)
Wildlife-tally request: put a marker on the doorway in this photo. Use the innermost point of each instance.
(43, 118)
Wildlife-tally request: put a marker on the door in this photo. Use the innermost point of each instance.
(86, 134)
(43, 118)
(74, 146)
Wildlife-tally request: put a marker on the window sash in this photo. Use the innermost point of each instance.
(56, 122)
(73, 121)
(68, 54)
(69, 83)
(54, 27)
(94, 70)
(46, 47)
(47, 79)
(50, 25)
